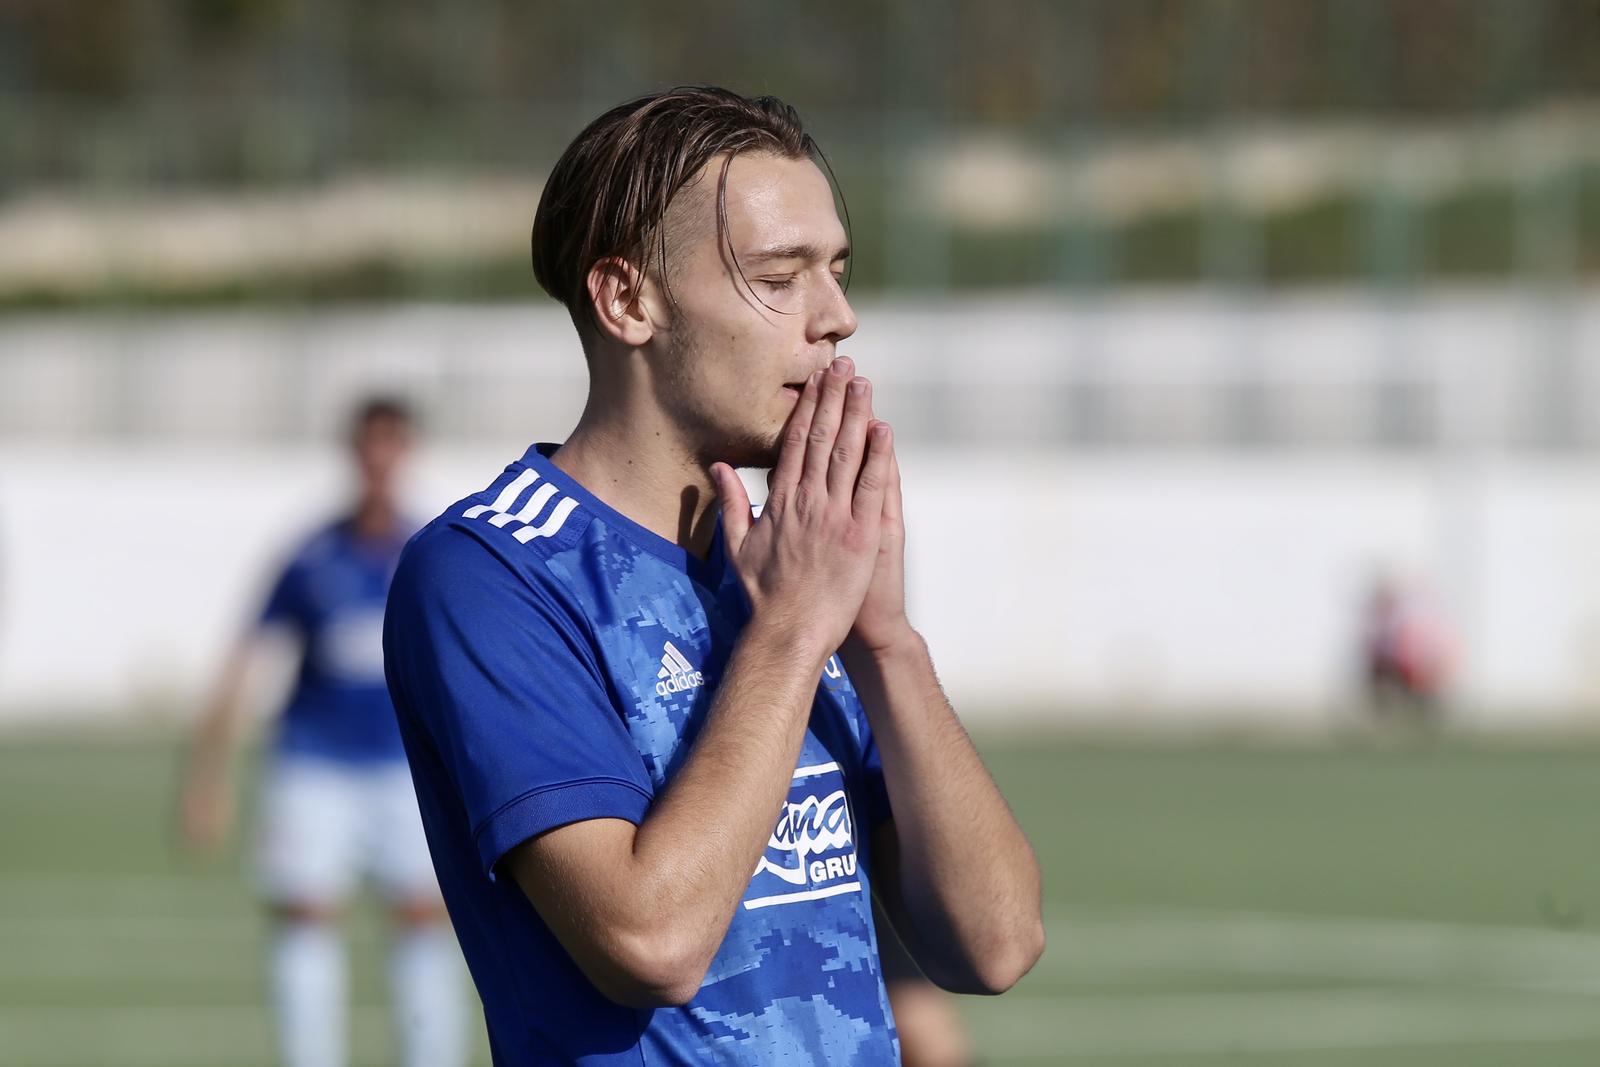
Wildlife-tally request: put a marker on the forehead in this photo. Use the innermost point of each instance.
(774, 201)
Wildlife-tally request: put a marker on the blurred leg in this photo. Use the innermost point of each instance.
(425, 977)
(425, 969)
(931, 1033)
(307, 862)
(309, 976)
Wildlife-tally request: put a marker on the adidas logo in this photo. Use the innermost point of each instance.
(677, 675)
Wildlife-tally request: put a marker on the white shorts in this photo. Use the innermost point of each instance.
(325, 825)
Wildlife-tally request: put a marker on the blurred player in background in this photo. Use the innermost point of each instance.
(1406, 648)
(337, 800)
(925, 1016)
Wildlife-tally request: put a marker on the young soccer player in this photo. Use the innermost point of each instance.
(665, 751)
(337, 800)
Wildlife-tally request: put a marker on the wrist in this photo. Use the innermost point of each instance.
(800, 643)
(899, 642)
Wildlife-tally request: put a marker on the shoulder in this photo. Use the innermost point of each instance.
(500, 539)
(320, 545)
(311, 550)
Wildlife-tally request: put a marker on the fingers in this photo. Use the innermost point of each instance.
(734, 502)
(893, 513)
(792, 451)
(825, 423)
(848, 447)
(873, 485)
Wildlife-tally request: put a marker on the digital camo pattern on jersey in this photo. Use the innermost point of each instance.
(796, 980)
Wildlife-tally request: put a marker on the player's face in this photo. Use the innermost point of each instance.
(380, 448)
(737, 349)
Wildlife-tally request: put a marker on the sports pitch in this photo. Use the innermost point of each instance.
(1302, 906)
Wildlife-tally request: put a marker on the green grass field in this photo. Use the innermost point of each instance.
(1231, 903)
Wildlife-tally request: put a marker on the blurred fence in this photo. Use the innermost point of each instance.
(1168, 505)
(1452, 370)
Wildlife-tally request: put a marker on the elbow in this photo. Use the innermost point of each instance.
(653, 970)
(1015, 959)
(1001, 964)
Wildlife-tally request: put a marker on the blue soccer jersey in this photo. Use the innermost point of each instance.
(331, 597)
(551, 661)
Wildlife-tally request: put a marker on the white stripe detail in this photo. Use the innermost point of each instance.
(820, 768)
(541, 496)
(677, 658)
(508, 495)
(552, 525)
(808, 894)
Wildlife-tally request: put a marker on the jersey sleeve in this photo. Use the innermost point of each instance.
(285, 604)
(489, 664)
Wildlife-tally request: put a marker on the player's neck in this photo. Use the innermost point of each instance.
(637, 464)
(375, 518)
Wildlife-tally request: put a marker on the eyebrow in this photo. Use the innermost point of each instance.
(812, 253)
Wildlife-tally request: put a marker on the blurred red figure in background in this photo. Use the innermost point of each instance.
(1407, 652)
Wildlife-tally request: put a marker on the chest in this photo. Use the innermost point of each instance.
(663, 653)
(337, 586)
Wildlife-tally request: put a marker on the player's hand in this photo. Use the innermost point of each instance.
(881, 623)
(807, 563)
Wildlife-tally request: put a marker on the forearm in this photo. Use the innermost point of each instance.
(693, 854)
(216, 731)
(968, 883)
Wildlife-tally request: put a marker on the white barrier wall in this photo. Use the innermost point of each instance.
(1150, 588)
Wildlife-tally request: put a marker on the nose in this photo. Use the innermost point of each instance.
(832, 318)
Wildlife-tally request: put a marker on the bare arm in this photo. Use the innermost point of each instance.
(954, 869)
(642, 910)
(205, 805)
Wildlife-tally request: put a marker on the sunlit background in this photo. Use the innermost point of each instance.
(1199, 323)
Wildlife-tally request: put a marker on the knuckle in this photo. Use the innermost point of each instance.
(804, 500)
(820, 433)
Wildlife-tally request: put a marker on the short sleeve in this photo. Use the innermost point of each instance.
(285, 605)
(489, 664)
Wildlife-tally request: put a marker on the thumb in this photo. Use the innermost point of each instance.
(735, 504)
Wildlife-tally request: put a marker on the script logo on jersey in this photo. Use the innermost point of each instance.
(677, 674)
(812, 851)
(833, 674)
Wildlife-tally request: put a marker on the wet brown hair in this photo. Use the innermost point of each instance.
(609, 192)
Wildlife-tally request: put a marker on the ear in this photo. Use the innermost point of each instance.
(620, 299)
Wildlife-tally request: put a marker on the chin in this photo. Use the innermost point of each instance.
(751, 449)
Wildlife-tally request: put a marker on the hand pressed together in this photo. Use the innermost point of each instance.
(811, 562)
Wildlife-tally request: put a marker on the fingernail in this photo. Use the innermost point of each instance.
(816, 377)
(839, 366)
(858, 387)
